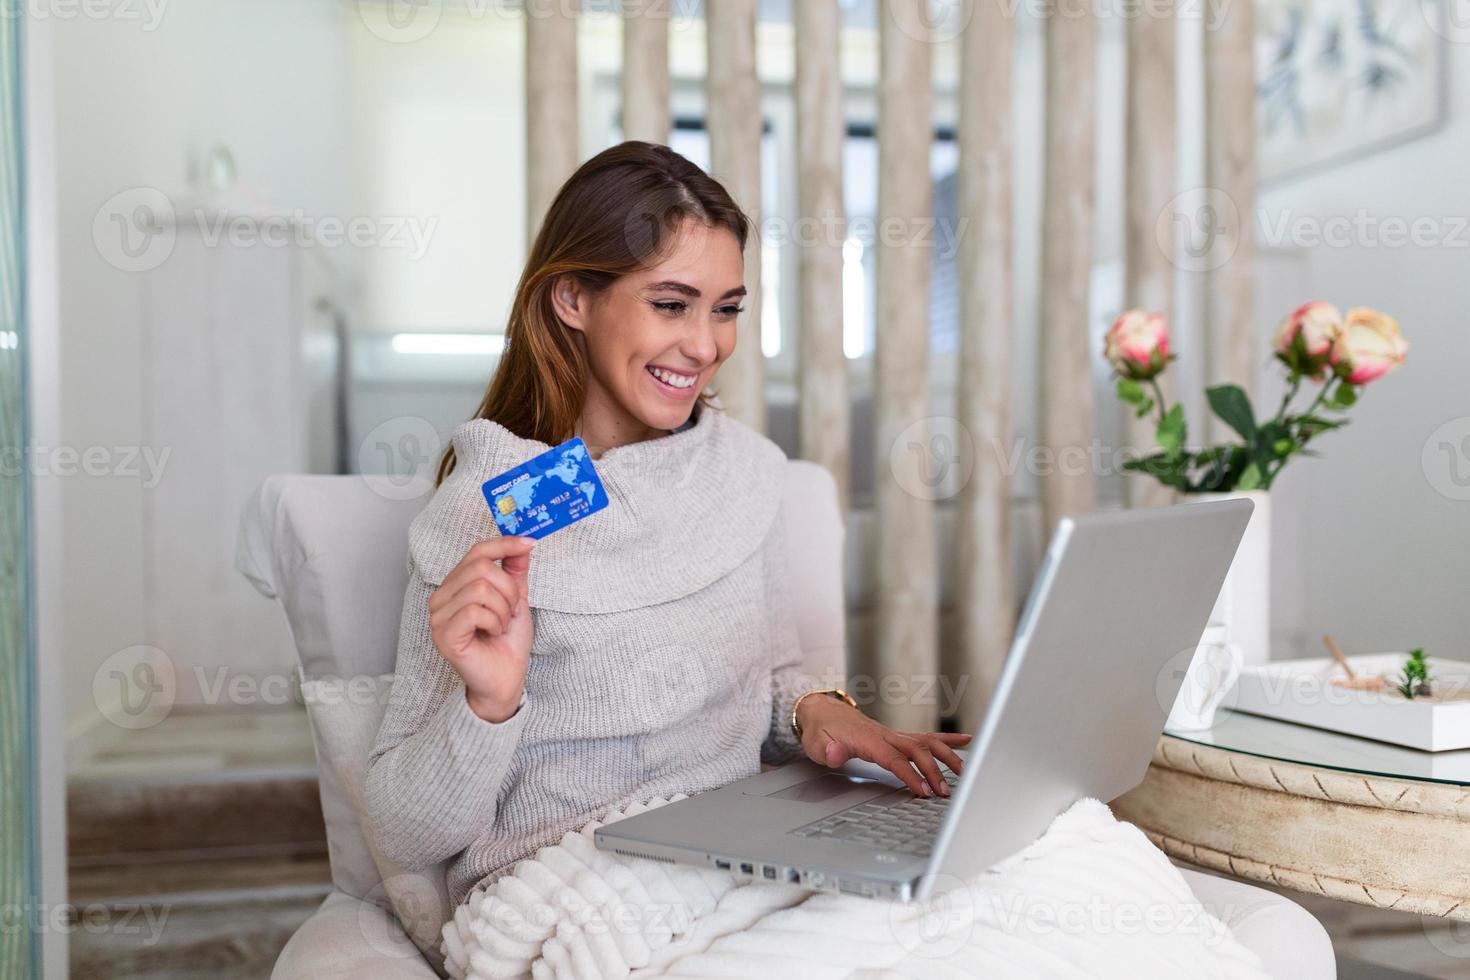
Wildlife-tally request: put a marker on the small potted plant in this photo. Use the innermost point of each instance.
(1329, 355)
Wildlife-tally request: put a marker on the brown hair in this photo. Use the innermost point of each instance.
(609, 219)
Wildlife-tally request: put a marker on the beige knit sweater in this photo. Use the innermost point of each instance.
(665, 658)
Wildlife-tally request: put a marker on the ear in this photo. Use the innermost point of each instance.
(570, 301)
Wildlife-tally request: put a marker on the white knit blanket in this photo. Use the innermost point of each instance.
(1091, 898)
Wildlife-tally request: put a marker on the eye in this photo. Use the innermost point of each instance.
(729, 310)
(674, 307)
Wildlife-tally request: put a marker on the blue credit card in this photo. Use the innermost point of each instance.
(547, 493)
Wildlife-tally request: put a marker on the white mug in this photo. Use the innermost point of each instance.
(1211, 675)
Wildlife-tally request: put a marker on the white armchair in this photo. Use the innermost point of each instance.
(332, 551)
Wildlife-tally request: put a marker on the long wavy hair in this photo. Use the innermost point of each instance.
(612, 217)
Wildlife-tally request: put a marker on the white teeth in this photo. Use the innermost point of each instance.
(672, 379)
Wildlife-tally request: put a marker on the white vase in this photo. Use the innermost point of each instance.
(1243, 610)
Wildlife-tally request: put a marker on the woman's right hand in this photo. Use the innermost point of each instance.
(480, 622)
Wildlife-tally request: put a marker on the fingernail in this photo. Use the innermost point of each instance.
(927, 790)
(944, 789)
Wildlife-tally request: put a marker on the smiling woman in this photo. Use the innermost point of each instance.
(650, 649)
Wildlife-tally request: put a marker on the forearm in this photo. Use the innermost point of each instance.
(437, 767)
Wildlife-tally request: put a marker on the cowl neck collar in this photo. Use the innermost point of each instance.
(684, 509)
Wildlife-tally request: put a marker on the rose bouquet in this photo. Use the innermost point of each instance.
(1315, 343)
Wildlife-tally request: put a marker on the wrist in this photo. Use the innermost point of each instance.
(492, 709)
(809, 707)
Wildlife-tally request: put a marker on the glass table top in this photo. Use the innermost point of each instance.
(1283, 741)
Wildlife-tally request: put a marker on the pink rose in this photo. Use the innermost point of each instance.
(1137, 344)
(1305, 337)
(1369, 345)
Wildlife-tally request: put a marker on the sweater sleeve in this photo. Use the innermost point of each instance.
(789, 675)
(435, 772)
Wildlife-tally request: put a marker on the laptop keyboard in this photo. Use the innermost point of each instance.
(904, 824)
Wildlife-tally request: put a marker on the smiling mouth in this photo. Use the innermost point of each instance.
(672, 379)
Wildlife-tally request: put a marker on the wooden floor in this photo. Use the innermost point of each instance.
(197, 848)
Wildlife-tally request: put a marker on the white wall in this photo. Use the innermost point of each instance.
(1382, 555)
(268, 79)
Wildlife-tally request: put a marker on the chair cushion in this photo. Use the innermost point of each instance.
(345, 715)
(1287, 938)
(349, 939)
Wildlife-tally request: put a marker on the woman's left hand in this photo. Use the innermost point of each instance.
(833, 732)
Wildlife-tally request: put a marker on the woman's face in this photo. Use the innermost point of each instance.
(657, 336)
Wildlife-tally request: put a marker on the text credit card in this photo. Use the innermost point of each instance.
(547, 493)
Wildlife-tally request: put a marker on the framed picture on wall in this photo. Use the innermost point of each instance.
(1336, 79)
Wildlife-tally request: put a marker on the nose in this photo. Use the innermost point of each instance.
(699, 345)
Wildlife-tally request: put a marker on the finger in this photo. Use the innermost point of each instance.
(483, 556)
(501, 547)
(462, 626)
(938, 741)
(944, 753)
(918, 752)
(492, 595)
(515, 558)
(470, 573)
(880, 752)
(519, 568)
(470, 569)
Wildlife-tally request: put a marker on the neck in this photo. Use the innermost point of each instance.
(606, 425)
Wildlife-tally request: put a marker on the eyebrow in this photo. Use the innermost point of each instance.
(688, 290)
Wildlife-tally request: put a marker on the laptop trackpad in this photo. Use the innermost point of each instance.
(833, 787)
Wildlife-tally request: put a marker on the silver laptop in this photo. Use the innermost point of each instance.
(1079, 704)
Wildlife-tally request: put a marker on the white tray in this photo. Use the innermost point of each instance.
(1300, 691)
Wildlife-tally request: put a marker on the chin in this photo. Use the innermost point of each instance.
(667, 417)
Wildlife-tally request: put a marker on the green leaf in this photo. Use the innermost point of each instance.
(1170, 470)
(1250, 478)
(1130, 391)
(1234, 408)
(1144, 407)
(1282, 447)
(1171, 431)
(1344, 395)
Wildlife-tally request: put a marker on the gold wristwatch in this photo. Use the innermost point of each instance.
(836, 692)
